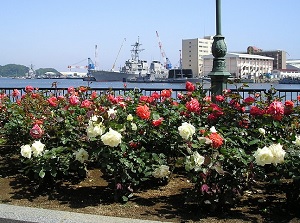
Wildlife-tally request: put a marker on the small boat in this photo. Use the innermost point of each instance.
(289, 80)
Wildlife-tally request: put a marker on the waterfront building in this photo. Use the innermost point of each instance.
(279, 56)
(241, 65)
(192, 52)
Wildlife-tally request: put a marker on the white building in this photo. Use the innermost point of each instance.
(245, 66)
(192, 52)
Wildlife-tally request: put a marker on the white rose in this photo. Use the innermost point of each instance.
(129, 117)
(81, 155)
(186, 130)
(26, 151)
(278, 153)
(213, 129)
(94, 130)
(262, 131)
(297, 141)
(198, 160)
(37, 148)
(112, 138)
(161, 172)
(263, 156)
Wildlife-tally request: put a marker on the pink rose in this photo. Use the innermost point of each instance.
(71, 90)
(16, 93)
(74, 100)
(86, 104)
(36, 132)
(29, 89)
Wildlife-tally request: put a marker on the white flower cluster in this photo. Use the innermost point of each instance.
(112, 138)
(194, 161)
(81, 155)
(274, 154)
(94, 128)
(35, 149)
(161, 171)
(186, 130)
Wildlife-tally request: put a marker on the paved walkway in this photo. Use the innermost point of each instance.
(18, 214)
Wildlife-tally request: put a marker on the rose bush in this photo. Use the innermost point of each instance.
(223, 143)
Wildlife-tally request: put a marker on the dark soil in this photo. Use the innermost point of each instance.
(164, 203)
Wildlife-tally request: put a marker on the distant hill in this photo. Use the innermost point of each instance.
(16, 70)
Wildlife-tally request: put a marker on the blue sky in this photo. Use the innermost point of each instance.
(58, 33)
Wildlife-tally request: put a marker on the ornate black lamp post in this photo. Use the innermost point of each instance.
(218, 74)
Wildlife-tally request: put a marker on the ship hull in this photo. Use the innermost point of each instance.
(103, 76)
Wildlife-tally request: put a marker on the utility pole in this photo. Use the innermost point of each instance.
(218, 74)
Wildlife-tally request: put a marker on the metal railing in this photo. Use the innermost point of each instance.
(284, 94)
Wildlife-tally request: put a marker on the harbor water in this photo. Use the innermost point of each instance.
(65, 83)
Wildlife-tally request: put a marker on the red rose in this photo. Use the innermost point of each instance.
(220, 98)
(155, 95)
(193, 105)
(52, 101)
(166, 93)
(94, 95)
(289, 103)
(143, 111)
(216, 139)
(190, 86)
(29, 89)
(249, 100)
(255, 111)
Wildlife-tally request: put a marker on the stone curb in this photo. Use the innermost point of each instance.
(19, 214)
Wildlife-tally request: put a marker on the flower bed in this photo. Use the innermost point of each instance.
(137, 140)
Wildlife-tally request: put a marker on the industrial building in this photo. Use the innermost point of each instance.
(244, 66)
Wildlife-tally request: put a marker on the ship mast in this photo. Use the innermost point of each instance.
(136, 50)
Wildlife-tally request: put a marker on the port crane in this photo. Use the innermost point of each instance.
(91, 65)
(113, 67)
(167, 62)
